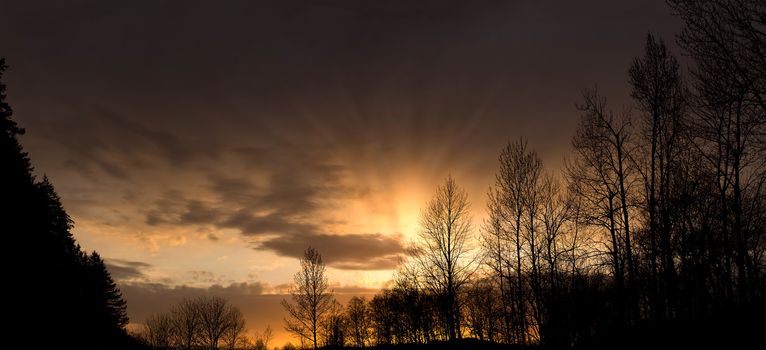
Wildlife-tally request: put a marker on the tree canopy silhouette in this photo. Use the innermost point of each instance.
(442, 258)
(311, 298)
(71, 291)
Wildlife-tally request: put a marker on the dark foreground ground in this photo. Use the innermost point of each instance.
(726, 333)
(458, 344)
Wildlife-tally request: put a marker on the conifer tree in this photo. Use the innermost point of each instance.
(56, 284)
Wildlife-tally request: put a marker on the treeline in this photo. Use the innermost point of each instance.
(655, 226)
(50, 281)
(203, 322)
(652, 234)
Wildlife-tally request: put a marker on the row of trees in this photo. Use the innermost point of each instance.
(657, 219)
(662, 214)
(201, 322)
(50, 279)
(401, 315)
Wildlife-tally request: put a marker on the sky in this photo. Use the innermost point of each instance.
(201, 146)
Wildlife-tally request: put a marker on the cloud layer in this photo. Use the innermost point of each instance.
(228, 137)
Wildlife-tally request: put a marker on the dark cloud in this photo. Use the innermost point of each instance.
(107, 143)
(287, 208)
(145, 299)
(425, 80)
(288, 236)
(291, 203)
(274, 223)
(173, 207)
(348, 251)
(231, 189)
(197, 212)
(125, 269)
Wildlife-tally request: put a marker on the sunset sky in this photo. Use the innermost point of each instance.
(200, 147)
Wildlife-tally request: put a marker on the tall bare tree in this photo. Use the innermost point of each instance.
(495, 254)
(513, 205)
(217, 317)
(442, 254)
(727, 37)
(727, 41)
(659, 92)
(600, 173)
(158, 330)
(187, 323)
(311, 298)
(234, 333)
(554, 215)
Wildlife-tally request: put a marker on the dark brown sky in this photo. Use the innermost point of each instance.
(201, 143)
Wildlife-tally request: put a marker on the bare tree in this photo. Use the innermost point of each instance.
(311, 298)
(482, 309)
(382, 318)
(235, 330)
(414, 305)
(333, 325)
(532, 201)
(554, 215)
(216, 318)
(262, 340)
(557, 245)
(442, 254)
(187, 323)
(601, 175)
(245, 343)
(660, 94)
(496, 257)
(357, 314)
(726, 39)
(513, 205)
(158, 330)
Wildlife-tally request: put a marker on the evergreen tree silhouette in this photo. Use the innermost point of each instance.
(104, 298)
(56, 288)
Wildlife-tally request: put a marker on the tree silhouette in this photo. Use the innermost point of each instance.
(105, 299)
(333, 325)
(482, 309)
(726, 39)
(194, 323)
(85, 308)
(159, 332)
(357, 314)
(311, 298)
(661, 96)
(727, 128)
(262, 339)
(187, 323)
(217, 317)
(513, 207)
(382, 317)
(235, 327)
(442, 255)
(600, 173)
